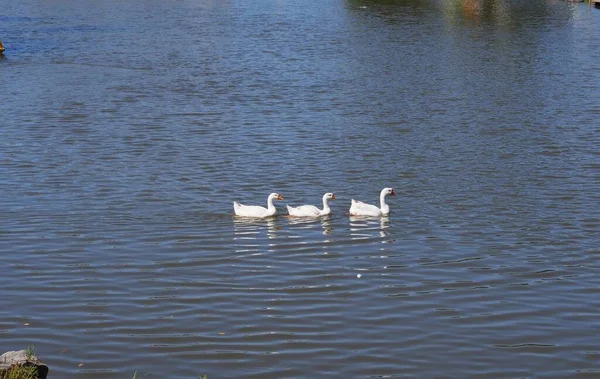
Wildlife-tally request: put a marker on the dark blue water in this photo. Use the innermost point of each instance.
(128, 129)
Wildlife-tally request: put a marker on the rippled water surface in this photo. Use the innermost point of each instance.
(128, 128)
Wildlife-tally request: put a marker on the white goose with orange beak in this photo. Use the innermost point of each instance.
(311, 210)
(255, 210)
(358, 208)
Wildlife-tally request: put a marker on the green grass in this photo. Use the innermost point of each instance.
(30, 352)
(21, 372)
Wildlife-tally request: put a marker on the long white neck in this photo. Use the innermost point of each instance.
(385, 209)
(270, 206)
(325, 205)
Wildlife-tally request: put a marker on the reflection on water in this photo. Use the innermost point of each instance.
(497, 11)
(246, 228)
(506, 13)
(327, 225)
(362, 227)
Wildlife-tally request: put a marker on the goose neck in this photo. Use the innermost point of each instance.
(325, 204)
(270, 205)
(382, 201)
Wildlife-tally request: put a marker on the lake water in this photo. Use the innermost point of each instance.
(128, 128)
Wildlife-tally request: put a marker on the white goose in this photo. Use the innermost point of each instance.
(358, 208)
(255, 210)
(311, 210)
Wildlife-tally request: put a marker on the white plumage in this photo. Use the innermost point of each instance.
(255, 210)
(358, 208)
(311, 210)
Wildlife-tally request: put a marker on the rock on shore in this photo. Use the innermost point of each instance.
(12, 359)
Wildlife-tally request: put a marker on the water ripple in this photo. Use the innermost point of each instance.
(126, 140)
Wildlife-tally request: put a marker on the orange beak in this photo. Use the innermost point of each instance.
(333, 197)
(279, 197)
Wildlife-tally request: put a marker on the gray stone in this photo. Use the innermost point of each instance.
(11, 359)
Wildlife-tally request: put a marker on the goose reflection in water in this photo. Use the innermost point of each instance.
(310, 223)
(250, 229)
(327, 227)
(363, 227)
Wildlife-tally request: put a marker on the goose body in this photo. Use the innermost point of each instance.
(255, 210)
(311, 210)
(358, 208)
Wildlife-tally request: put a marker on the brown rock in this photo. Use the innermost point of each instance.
(12, 359)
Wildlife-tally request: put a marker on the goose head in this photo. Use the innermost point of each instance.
(275, 196)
